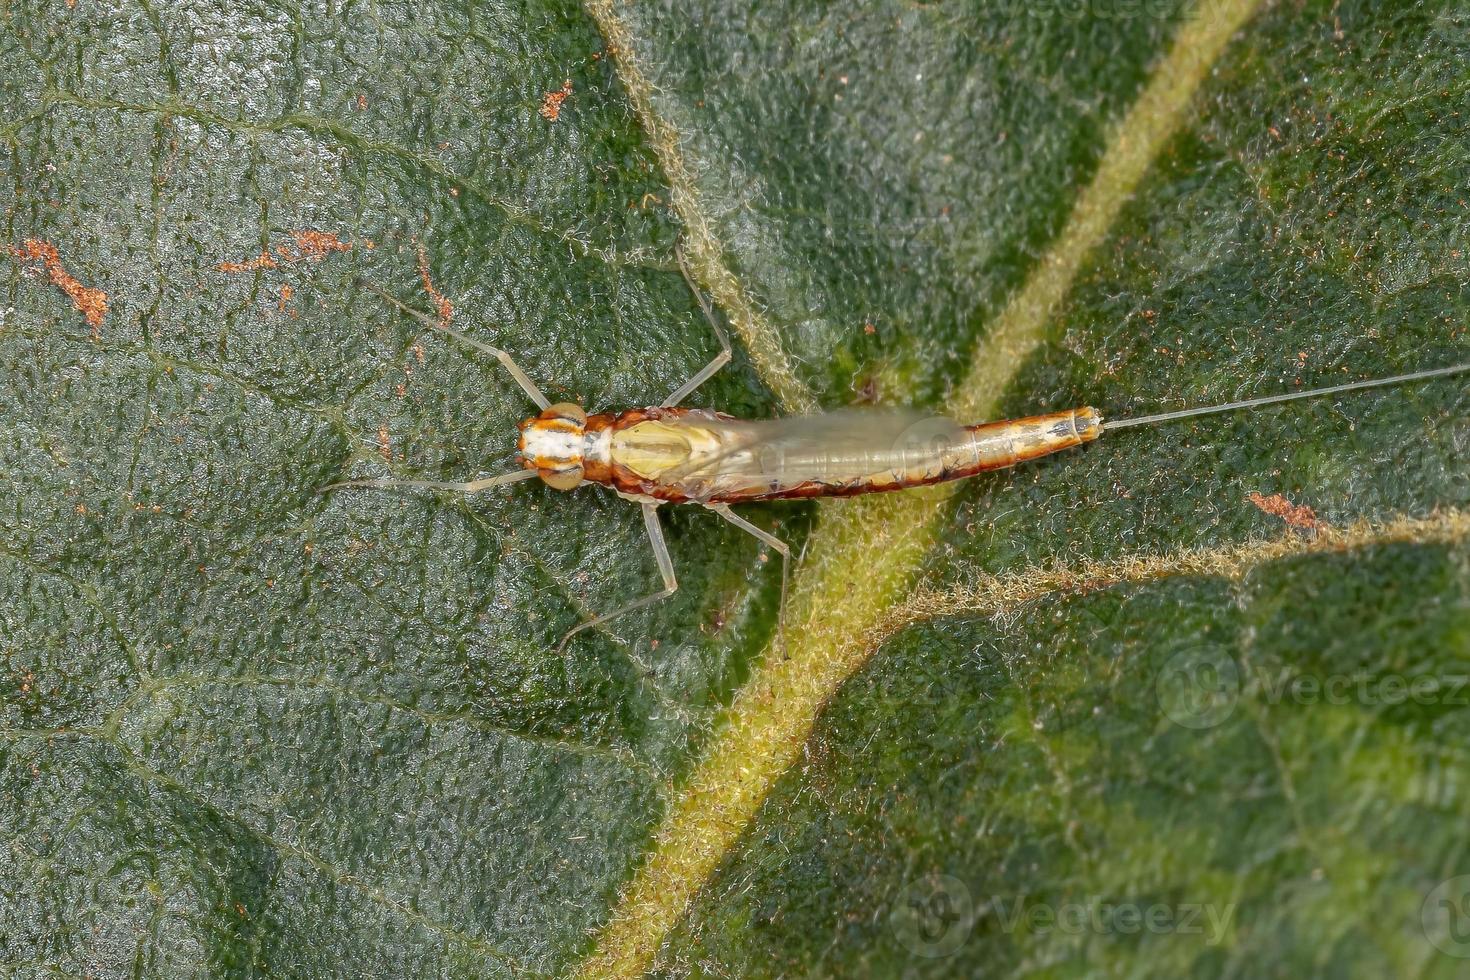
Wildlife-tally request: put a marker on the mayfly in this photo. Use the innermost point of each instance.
(672, 455)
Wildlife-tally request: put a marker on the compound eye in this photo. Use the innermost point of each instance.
(567, 479)
(566, 410)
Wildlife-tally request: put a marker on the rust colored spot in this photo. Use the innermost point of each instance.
(316, 244)
(869, 329)
(442, 306)
(361, 101)
(286, 293)
(310, 245)
(551, 103)
(385, 444)
(1297, 515)
(261, 261)
(91, 303)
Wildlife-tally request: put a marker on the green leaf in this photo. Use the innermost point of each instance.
(253, 729)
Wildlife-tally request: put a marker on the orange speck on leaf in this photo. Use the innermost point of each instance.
(310, 245)
(261, 261)
(1297, 515)
(286, 293)
(551, 103)
(442, 306)
(385, 443)
(91, 303)
(316, 244)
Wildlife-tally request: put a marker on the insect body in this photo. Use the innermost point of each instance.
(691, 455)
(672, 455)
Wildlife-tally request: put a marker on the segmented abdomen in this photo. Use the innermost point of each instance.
(681, 455)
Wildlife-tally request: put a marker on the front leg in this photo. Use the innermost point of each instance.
(720, 359)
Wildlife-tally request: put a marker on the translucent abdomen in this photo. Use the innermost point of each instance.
(700, 456)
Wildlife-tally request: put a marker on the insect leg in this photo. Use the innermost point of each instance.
(473, 486)
(522, 378)
(720, 359)
(665, 568)
(768, 538)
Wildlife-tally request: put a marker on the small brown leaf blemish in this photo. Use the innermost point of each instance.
(1297, 515)
(442, 306)
(551, 103)
(310, 246)
(91, 303)
(317, 244)
(261, 261)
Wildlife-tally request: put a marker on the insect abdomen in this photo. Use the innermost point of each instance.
(996, 445)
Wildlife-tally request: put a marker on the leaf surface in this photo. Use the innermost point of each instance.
(254, 729)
